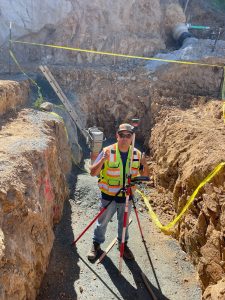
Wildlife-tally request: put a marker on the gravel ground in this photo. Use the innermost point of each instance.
(71, 276)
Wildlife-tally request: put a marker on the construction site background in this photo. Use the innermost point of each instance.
(180, 107)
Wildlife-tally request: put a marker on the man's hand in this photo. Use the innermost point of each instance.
(106, 155)
(143, 159)
(97, 166)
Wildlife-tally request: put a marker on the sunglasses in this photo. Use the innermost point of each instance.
(125, 136)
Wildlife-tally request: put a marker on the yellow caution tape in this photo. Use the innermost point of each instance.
(118, 55)
(167, 228)
(18, 65)
(113, 54)
(56, 115)
(125, 56)
(22, 71)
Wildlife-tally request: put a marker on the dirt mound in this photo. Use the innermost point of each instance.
(186, 146)
(216, 292)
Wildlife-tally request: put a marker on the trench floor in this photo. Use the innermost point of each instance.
(71, 276)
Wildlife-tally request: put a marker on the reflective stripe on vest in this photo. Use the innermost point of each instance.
(111, 176)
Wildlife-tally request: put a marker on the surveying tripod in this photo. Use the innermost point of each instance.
(128, 191)
(129, 196)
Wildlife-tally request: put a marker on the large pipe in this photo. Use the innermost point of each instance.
(180, 33)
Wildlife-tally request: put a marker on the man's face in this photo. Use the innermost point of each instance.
(124, 138)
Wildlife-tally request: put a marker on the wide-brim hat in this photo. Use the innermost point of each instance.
(126, 127)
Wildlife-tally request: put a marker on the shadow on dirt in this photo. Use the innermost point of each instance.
(136, 272)
(126, 290)
(63, 269)
(100, 278)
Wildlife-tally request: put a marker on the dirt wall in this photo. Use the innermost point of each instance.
(105, 96)
(186, 146)
(34, 162)
(12, 95)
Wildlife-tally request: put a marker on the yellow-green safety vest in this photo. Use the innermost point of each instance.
(111, 176)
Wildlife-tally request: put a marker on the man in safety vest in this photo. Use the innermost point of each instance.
(112, 166)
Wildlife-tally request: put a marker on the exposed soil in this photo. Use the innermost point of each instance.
(71, 276)
(186, 145)
(34, 161)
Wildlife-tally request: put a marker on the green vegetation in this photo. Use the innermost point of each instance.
(38, 102)
(39, 99)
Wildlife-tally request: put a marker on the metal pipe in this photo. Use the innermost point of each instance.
(190, 26)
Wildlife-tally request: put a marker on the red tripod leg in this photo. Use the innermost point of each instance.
(138, 220)
(98, 215)
(128, 194)
(125, 217)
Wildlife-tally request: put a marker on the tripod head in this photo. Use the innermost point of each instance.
(140, 179)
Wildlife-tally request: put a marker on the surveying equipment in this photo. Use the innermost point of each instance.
(140, 179)
(94, 141)
(136, 179)
(98, 215)
(135, 124)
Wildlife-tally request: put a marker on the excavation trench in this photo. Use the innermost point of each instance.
(70, 275)
(35, 170)
(34, 199)
(47, 196)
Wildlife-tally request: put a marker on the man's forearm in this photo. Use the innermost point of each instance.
(96, 168)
